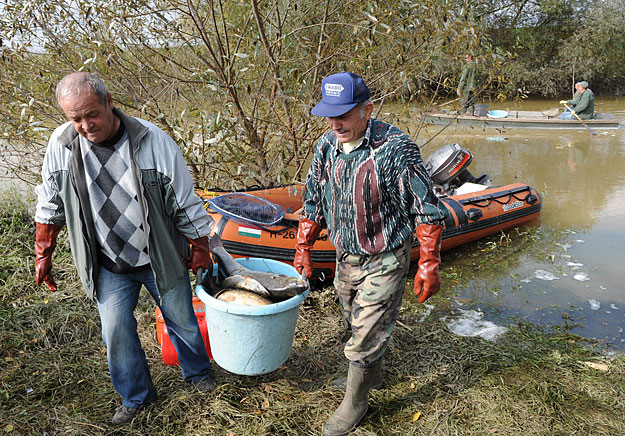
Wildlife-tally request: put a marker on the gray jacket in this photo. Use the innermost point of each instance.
(170, 209)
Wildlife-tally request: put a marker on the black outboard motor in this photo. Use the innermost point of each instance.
(448, 169)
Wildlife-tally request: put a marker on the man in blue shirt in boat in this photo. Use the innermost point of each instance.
(367, 184)
(582, 104)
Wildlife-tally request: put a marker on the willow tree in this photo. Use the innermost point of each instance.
(596, 51)
(231, 81)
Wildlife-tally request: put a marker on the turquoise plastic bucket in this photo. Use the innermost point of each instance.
(252, 340)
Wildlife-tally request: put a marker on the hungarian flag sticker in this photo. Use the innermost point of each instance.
(249, 232)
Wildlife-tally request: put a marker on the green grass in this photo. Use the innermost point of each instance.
(54, 377)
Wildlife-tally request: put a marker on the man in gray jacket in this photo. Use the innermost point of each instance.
(122, 188)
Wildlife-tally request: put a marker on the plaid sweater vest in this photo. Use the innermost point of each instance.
(114, 204)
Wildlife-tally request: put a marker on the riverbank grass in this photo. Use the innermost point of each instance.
(54, 378)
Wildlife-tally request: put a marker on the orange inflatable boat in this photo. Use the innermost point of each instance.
(476, 210)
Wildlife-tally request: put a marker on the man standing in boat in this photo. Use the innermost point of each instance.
(367, 184)
(121, 186)
(466, 86)
(582, 104)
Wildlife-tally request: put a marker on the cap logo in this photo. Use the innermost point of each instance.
(333, 89)
(340, 93)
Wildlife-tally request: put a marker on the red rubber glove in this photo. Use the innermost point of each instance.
(427, 281)
(45, 243)
(307, 233)
(200, 255)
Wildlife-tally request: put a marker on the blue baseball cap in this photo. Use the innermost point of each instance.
(340, 93)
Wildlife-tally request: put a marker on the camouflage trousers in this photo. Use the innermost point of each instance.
(370, 290)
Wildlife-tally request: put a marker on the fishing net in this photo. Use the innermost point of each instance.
(248, 209)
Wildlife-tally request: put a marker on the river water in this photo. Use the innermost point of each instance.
(567, 270)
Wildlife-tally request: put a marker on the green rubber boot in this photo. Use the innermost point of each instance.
(355, 403)
(376, 381)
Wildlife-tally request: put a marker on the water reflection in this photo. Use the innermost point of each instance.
(567, 272)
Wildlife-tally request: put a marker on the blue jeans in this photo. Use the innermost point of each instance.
(566, 115)
(117, 296)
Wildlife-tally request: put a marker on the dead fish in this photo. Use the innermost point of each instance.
(551, 112)
(245, 283)
(279, 285)
(241, 297)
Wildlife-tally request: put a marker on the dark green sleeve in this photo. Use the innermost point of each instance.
(583, 102)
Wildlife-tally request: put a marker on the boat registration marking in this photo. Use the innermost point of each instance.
(513, 205)
(250, 232)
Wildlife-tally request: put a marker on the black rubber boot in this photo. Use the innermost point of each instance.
(355, 403)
